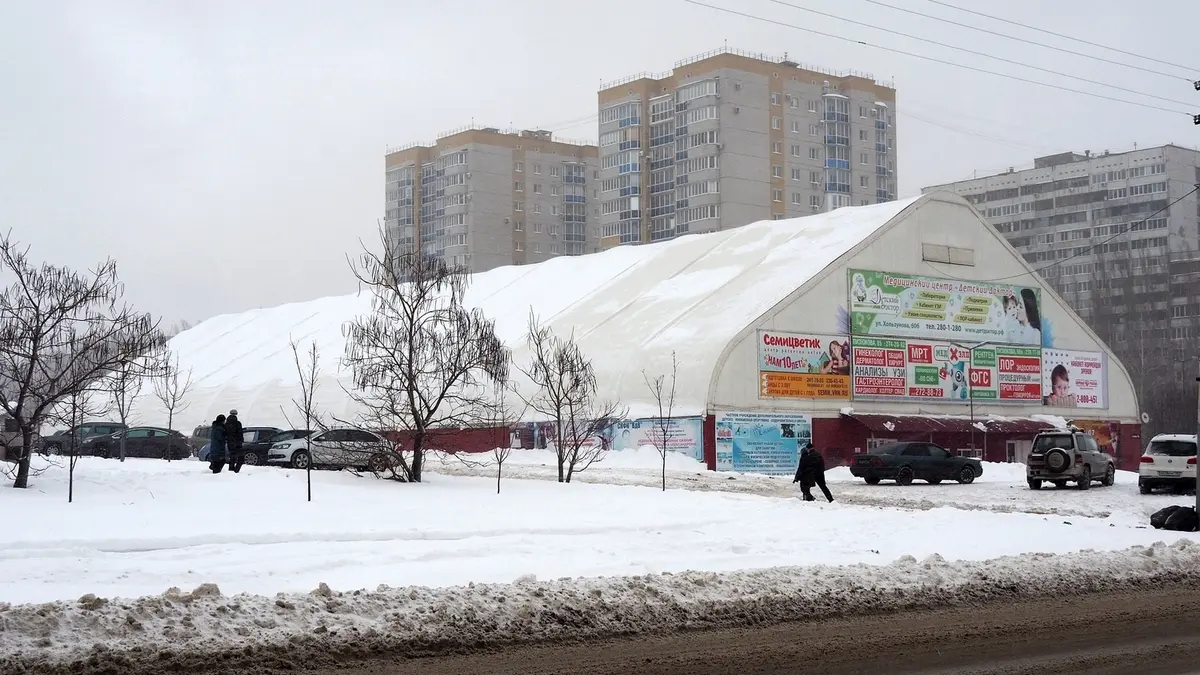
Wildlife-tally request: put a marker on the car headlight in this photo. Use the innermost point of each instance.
(281, 446)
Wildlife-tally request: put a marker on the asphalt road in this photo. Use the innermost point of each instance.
(1149, 632)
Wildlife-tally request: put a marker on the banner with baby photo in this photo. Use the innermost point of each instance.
(803, 365)
(905, 305)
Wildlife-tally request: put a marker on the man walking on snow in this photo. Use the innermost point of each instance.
(233, 436)
(810, 472)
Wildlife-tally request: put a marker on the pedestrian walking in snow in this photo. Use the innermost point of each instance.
(233, 439)
(811, 472)
(216, 445)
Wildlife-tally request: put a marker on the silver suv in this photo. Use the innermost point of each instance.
(1060, 457)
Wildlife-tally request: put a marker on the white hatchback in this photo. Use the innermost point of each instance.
(337, 449)
(1169, 462)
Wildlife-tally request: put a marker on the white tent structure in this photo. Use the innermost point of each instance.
(628, 307)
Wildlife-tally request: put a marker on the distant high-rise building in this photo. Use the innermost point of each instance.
(729, 138)
(1099, 229)
(482, 198)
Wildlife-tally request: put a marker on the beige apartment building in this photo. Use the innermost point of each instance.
(729, 138)
(481, 198)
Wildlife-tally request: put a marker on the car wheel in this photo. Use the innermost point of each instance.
(933, 481)
(54, 449)
(101, 452)
(966, 476)
(1060, 484)
(251, 459)
(378, 463)
(872, 480)
(300, 459)
(1144, 488)
(1034, 484)
(1085, 478)
(1110, 476)
(904, 476)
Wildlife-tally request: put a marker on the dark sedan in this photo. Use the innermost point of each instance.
(148, 442)
(906, 462)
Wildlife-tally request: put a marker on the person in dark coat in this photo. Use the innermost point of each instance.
(216, 445)
(810, 472)
(233, 440)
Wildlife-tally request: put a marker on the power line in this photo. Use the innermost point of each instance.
(1088, 249)
(1068, 37)
(937, 60)
(907, 112)
(978, 53)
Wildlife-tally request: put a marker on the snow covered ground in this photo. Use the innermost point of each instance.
(141, 527)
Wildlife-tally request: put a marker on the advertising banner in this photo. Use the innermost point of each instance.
(1072, 379)
(1006, 374)
(767, 443)
(914, 369)
(882, 303)
(803, 365)
(685, 435)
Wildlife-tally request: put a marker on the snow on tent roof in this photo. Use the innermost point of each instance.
(628, 307)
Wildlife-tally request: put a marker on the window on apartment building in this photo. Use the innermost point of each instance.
(776, 123)
(553, 230)
(776, 195)
(537, 228)
(812, 106)
(863, 181)
(812, 130)
(814, 177)
(553, 190)
(554, 209)
(774, 99)
(555, 171)
(777, 171)
(795, 126)
(777, 148)
(518, 226)
(537, 208)
(814, 153)
(519, 186)
(519, 166)
(797, 198)
(537, 169)
(518, 206)
(795, 150)
(797, 174)
(537, 188)
(864, 202)
(862, 134)
(553, 249)
(862, 158)
(517, 246)
(814, 201)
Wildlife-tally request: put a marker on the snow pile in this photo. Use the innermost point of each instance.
(629, 307)
(179, 631)
(1053, 420)
(640, 458)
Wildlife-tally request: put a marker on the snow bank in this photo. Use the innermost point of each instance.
(179, 631)
(641, 458)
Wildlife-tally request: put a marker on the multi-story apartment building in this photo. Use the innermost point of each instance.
(1099, 228)
(482, 198)
(728, 138)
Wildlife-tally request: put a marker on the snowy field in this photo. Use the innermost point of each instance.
(141, 527)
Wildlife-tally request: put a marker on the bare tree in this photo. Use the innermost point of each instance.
(663, 394)
(79, 406)
(171, 387)
(308, 368)
(124, 386)
(564, 393)
(421, 359)
(60, 332)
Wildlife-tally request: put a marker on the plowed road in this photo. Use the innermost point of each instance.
(1151, 632)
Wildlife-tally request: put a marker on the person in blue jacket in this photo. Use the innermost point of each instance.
(216, 445)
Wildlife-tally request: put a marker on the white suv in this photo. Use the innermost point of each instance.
(336, 448)
(1170, 461)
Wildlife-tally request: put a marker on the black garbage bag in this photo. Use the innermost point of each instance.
(1183, 520)
(1159, 519)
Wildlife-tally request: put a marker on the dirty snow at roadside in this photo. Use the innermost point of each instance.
(143, 526)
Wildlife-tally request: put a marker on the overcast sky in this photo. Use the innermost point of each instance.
(229, 154)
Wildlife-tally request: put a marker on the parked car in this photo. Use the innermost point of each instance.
(335, 448)
(908, 461)
(1059, 457)
(61, 440)
(149, 442)
(10, 439)
(257, 442)
(1169, 462)
(200, 439)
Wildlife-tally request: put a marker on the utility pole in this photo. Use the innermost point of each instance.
(1197, 460)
